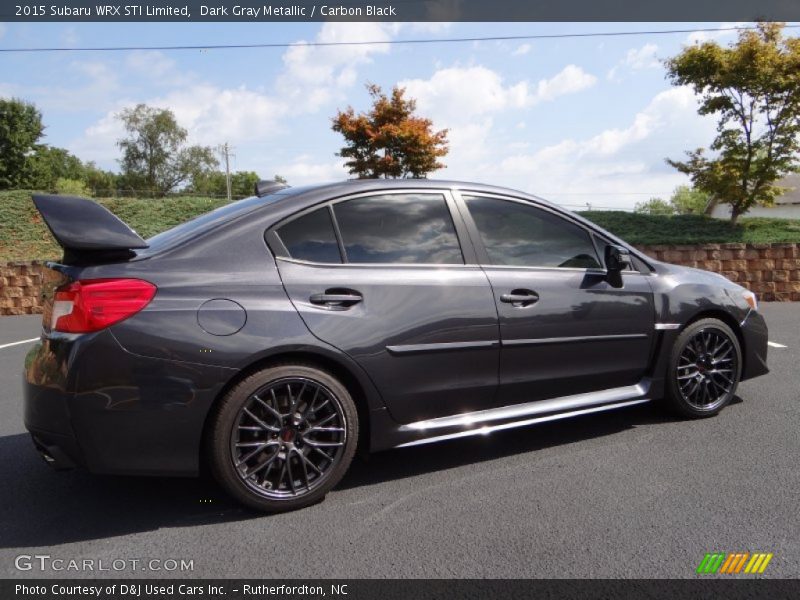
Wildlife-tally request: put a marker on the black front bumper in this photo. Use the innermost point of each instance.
(756, 336)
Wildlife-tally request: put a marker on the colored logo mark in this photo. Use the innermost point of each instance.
(734, 563)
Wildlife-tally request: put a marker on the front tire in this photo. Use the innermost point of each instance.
(704, 369)
(283, 437)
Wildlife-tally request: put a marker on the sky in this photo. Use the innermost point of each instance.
(577, 121)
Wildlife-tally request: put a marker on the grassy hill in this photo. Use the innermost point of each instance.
(694, 229)
(23, 235)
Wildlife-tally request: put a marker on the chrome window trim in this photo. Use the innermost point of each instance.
(309, 263)
(446, 193)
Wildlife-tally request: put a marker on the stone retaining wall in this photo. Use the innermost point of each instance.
(771, 270)
(21, 287)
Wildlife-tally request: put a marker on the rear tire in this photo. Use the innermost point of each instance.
(704, 369)
(283, 437)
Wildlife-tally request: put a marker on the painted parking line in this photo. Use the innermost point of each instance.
(36, 339)
(776, 345)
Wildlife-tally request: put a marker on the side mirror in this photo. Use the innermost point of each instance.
(618, 258)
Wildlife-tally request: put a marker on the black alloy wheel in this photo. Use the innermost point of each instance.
(705, 368)
(284, 437)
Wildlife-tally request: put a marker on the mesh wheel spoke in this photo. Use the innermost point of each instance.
(288, 436)
(706, 369)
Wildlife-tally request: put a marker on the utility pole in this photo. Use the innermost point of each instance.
(225, 150)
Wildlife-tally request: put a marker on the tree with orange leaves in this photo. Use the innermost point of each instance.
(390, 140)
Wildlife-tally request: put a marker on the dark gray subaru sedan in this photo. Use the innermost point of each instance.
(271, 337)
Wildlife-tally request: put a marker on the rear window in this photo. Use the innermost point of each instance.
(311, 237)
(210, 220)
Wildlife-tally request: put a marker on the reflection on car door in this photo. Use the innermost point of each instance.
(564, 329)
(383, 278)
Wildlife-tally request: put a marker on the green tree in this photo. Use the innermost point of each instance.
(689, 201)
(654, 206)
(99, 181)
(753, 87)
(47, 164)
(154, 153)
(71, 187)
(209, 183)
(212, 183)
(20, 129)
(390, 140)
(243, 183)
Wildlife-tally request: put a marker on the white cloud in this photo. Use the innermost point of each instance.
(316, 75)
(460, 93)
(618, 165)
(570, 80)
(303, 169)
(89, 84)
(698, 37)
(465, 100)
(642, 58)
(636, 59)
(312, 78)
(151, 62)
(521, 50)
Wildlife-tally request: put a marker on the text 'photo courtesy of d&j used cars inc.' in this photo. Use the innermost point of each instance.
(411, 299)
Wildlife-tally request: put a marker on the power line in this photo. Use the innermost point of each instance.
(502, 38)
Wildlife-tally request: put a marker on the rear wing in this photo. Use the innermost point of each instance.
(86, 230)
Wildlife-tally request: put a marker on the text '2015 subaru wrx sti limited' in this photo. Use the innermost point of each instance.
(270, 337)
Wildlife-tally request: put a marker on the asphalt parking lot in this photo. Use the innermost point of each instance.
(632, 493)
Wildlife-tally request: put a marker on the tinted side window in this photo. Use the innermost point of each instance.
(398, 228)
(523, 235)
(311, 237)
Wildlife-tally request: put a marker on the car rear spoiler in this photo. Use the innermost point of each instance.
(87, 231)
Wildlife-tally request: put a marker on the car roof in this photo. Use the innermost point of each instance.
(331, 190)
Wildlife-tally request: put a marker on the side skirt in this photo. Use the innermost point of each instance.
(487, 429)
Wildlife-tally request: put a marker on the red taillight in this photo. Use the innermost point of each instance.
(92, 304)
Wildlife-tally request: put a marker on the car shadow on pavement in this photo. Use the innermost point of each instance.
(40, 507)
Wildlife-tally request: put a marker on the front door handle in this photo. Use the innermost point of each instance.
(520, 298)
(336, 298)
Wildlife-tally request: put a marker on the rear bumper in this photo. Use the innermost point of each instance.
(92, 404)
(46, 401)
(58, 451)
(756, 336)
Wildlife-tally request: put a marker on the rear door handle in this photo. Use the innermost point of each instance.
(520, 298)
(336, 298)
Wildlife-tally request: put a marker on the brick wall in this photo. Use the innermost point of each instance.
(771, 270)
(21, 287)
